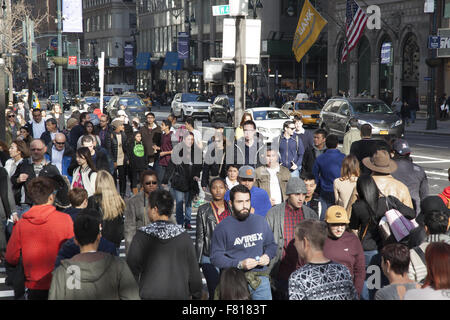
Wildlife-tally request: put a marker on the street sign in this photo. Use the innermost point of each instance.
(54, 43)
(434, 42)
(221, 10)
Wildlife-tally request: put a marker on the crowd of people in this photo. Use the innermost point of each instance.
(293, 219)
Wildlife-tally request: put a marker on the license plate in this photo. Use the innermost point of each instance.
(384, 132)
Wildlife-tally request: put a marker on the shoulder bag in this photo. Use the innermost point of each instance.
(394, 223)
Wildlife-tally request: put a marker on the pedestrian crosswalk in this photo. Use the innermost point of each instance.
(6, 292)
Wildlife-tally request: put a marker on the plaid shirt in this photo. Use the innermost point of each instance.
(225, 213)
(291, 218)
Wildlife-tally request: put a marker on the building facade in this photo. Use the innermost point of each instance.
(389, 62)
(110, 27)
(159, 23)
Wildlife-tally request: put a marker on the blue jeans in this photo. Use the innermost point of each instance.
(263, 292)
(368, 255)
(413, 115)
(327, 200)
(212, 275)
(180, 199)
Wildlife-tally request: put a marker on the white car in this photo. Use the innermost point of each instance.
(269, 122)
(190, 105)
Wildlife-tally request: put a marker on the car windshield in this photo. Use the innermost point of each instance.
(131, 102)
(269, 115)
(189, 97)
(307, 106)
(371, 107)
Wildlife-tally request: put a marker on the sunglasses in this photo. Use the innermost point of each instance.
(151, 182)
(292, 128)
(11, 116)
(60, 143)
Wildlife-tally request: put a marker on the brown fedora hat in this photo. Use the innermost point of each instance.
(380, 162)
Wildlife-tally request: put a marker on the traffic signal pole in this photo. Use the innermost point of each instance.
(60, 53)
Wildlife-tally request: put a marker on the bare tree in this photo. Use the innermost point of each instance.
(13, 37)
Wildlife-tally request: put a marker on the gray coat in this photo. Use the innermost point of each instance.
(275, 218)
(136, 216)
(415, 178)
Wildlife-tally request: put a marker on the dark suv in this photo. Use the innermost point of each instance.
(338, 111)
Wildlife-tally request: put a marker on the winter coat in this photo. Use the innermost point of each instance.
(50, 229)
(101, 276)
(163, 261)
(181, 176)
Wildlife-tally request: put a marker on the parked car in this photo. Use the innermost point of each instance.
(338, 111)
(190, 105)
(309, 110)
(222, 110)
(269, 121)
(134, 107)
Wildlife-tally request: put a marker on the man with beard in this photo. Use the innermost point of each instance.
(282, 220)
(245, 241)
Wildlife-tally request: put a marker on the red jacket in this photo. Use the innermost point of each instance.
(38, 235)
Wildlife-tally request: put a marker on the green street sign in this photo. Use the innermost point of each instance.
(221, 10)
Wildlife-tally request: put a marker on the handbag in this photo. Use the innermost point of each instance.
(394, 223)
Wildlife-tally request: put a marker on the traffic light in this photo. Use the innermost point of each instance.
(50, 53)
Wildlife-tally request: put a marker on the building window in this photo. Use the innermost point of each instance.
(411, 59)
(342, 71)
(364, 65)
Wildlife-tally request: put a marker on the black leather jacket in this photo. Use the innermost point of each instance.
(206, 223)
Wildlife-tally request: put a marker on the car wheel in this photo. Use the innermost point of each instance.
(212, 118)
(325, 127)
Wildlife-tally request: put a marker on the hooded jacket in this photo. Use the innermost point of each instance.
(100, 276)
(49, 229)
(162, 259)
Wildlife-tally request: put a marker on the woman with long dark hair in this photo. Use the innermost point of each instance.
(367, 212)
(183, 172)
(84, 175)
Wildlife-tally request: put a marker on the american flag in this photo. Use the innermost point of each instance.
(356, 22)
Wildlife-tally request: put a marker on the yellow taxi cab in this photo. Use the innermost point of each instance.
(309, 110)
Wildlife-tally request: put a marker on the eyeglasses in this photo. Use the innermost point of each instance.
(292, 128)
(151, 182)
(11, 116)
(60, 143)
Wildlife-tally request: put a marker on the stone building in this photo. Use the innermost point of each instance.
(402, 71)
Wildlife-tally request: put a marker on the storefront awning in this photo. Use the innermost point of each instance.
(171, 62)
(143, 61)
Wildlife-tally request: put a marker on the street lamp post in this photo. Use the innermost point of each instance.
(60, 68)
(431, 119)
(93, 44)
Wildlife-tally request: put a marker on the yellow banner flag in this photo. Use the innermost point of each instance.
(308, 30)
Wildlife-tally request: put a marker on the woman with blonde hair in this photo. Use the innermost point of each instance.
(239, 133)
(110, 204)
(346, 183)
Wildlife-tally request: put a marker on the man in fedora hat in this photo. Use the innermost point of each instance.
(282, 220)
(382, 166)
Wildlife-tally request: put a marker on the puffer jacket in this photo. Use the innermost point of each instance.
(206, 223)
